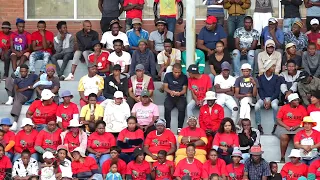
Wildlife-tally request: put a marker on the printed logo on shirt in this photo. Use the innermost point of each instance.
(65, 116)
(103, 59)
(318, 169)
(216, 111)
(37, 42)
(292, 117)
(246, 84)
(161, 174)
(192, 174)
(160, 142)
(137, 174)
(101, 144)
(4, 41)
(195, 88)
(23, 143)
(175, 82)
(50, 142)
(291, 174)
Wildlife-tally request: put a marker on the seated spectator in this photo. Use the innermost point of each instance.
(246, 87)
(256, 167)
(118, 56)
(245, 39)
(116, 81)
(42, 45)
(66, 111)
(314, 33)
(314, 102)
(6, 166)
(138, 83)
(310, 60)
(195, 135)
(5, 46)
(290, 54)
(114, 33)
(136, 34)
(313, 172)
(214, 165)
(99, 143)
(224, 87)
(100, 58)
(25, 139)
(269, 55)
(199, 60)
(116, 112)
(63, 162)
(220, 56)
(296, 37)
(25, 166)
(160, 139)
(289, 84)
(157, 37)
(39, 110)
(294, 169)
(274, 171)
(289, 119)
(48, 138)
(198, 84)
(90, 83)
(84, 38)
(83, 166)
(9, 137)
(306, 85)
(235, 169)
(146, 112)
(307, 141)
(273, 32)
(181, 40)
(114, 159)
(138, 168)
(144, 56)
(113, 172)
(210, 117)
(20, 90)
(190, 165)
(63, 45)
(75, 137)
(162, 168)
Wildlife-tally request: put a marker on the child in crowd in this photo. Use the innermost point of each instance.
(49, 167)
(113, 174)
(64, 163)
(214, 176)
(274, 172)
(9, 137)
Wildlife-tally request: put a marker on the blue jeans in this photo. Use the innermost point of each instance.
(39, 55)
(39, 127)
(259, 105)
(126, 157)
(234, 22)
(9, 155)
(18, 156)
(236, 57)
(171, 23)
(287, 23)
(100, 160)
(309, 161)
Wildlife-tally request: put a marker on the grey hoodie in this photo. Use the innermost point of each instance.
(65, 46)
(311, 64)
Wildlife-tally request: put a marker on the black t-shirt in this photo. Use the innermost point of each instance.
(175, 84)
(182, 39)
(217, 64)
(275, 177)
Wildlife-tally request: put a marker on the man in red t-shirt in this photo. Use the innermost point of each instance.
(42, 43)
(133, 10)
(5, 46)
(314, 33)
(101, 58)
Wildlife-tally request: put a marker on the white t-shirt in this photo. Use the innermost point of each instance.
(108, 38)
(123, 60)
(224, 83)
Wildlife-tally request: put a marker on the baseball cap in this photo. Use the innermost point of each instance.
(211, 20)
(95, 42)
(118, 94)
(136, 21)
(117, 67)
(246, 66)
(161, 21)
(6, 24)
(225, 66)
(314, 21)
(193, 68)
(273, 20)
(140, 67)
(46, 94)
(303, 76)
(289, 45)
(145, 93)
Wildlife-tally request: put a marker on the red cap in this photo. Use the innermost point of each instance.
(211, 20)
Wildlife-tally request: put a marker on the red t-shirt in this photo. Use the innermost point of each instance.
(5, 163)
(230, 140)
(72, 141)
(183, 168)
(236, 172)
(315, 38)
(25, 141)
(211, 120)
(48, 140)
(293, 172)
(314, 168)
(9, 136)
(162, 142)
(139, 86)
(198, 132)
(40, 112)
(133, 13)
(88, 165)
(37, 37)
(292, 116)
(163, 170)
(312, 108)
(219, 168)
(102, 61)
(301, 135)
(125, 133)
(122, 166)
(20, 41)
(5, 40)
(67, 113)
(200, 86)
(138, 171)
(101, 143)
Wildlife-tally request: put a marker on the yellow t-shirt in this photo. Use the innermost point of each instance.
(91, 85)
(168, 7)
(85, 113)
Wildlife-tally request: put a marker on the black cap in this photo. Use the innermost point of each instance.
(6, 24)
(316, 94)
(137, 151)
(161, 21)
(117, 67)
(95, 42)
(303, 76)
(193, 68)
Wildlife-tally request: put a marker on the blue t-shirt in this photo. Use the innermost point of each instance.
(134, 39)
(25, 82)
(210, 38)
(314, 10)
(266, 35)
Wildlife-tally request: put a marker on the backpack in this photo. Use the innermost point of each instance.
(20, 41)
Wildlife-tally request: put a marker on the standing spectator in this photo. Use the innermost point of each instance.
(307, 84)
(295, 168)
(136, 34)
(114, 159)
(289, 85)
(84, 43)
(6, 166)
(291, 54)
(262, 13)
(133, 10)
(118, 56)
(291, 13)
(215, 8)
(273, 32)
(214, 165)
(138, 168)
(83, 166)
(115, 82)
(8, 138)
(220, 56)
(297, 37)
(110, 10)
(315, 102)
(311, 60)
(75, 137)
(245, 39)
(64, 45)
(66, 111)
(162, 168)
(157, 37)
(113, 34)
(269, 57)
(5, 46)
(313, 172)
(100, 58)
(235, 170)
(25, 167)
(314, 33)
(42, 44)
(312, 11)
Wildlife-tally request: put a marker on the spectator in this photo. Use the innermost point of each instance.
(291, 54)
(133, 10)
(210, 35)
(66, 111)
(261, 15)
(138, 83)
(269, 57)
(224, 87)
(115, 82)
(75, 137)
(5, 46)
(245, 39)
(274, 171)
(210, 117)
(83, 166)
(289, 84)
(162, 168)
(143, 55)
(64, 45)
(136, 34)
(130, 137)
(120, 57)
(63, 162)
(42, 44)
(198, 84)
(199, 60)
(113, 34)
(6, 166)
(235, 169)
(146, 112)
(194, 135)
(160, 139)
(25, 139)
(138, 168)
(84, 38)
(100, 58)
(308, 141)
(220, 56)
(246, 87)
(271, 31)
(297, 37)
(310, 60)
(314, 33)
(215, 8)
(256, 167)
(39, 110)
(289, 119)
(110, 10)
(313, 172)
(48, 169)
(181, 40)
(269, 90)
(307, 84)
(214, 165)
(9, 137)
(312, 11)
(291, 13)
(175, 84)
(99, 143)
(314, 102)
(25, 166)
(157, 37)
(90, 83)
(295, 168)
(114, 159)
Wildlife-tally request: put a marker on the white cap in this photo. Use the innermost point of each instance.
(273, 20)
(295, 153)
(26, 121)
(210, 95)
(293, 96)
(48, 155)
(80, 150)
(314, 21)
(118, 94)
(46, 94)
(246, 66)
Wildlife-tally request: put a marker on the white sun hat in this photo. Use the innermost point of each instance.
(295, 153)
(210, 95)
(26, 121)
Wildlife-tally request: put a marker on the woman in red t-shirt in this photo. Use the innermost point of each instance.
(5, 165)
(75, 136)
(214, 165)
(66, 111)
(235, 170)
(83, 167)
(163, 168)
(9, 137)
(315, 102)
(294, 169)
(138, 168)
(226, 139)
